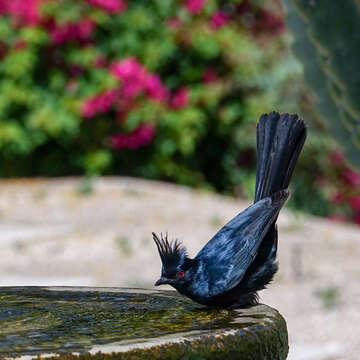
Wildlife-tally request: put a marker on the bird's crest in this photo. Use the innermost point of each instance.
(172, 253)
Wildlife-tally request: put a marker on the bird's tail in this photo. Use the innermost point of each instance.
(280, 139)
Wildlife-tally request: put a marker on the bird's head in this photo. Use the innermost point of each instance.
(175, 262)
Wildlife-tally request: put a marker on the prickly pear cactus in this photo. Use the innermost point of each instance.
(327, 41)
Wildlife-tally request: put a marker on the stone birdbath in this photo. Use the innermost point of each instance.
(119, 323)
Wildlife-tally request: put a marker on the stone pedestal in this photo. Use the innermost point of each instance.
(117, 323)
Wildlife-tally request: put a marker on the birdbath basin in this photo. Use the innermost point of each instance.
(119, 323)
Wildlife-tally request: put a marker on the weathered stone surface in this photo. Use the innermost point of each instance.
(117, 323)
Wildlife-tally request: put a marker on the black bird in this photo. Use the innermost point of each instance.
(241, 258)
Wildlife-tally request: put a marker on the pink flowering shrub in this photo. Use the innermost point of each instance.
(136, 79)
(218, 19)
(194, 6)
(141, 136)
(111, 6)
(100, 103)
(24, 12)
(165, 90)
(345, 190)
(180, 98)
(81, 31)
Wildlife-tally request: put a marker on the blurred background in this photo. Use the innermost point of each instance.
(95, 94)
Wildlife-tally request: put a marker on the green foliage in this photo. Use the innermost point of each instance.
(329, 296)
(95, 162)
(188, 114)
(124, 245)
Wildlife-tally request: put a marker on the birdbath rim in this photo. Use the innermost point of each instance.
(58, 320)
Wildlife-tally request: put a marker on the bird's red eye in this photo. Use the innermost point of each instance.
(180, 274)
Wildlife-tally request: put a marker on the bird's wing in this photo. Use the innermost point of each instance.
(227, 256)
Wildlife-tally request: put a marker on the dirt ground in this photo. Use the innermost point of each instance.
(60, 232)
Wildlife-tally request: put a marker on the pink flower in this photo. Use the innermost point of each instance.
(133, 88)
(85, 29)
(24, 11)
(72, 31)
(155, 89)
(218, 19)
(60, 35)
(139, 137)
(132, 74)
(126, 69)
(100, 103)
(3, 7)
(194, 6)
(350, 177)
(136, 79)
(111, 6)
(355, 202)
(180, 98)
(209, 76)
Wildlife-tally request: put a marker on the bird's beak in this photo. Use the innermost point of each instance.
(163, 280)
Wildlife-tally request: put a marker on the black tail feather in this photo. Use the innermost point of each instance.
(280, 139)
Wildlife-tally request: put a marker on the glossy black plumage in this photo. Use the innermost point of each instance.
(241, 258)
